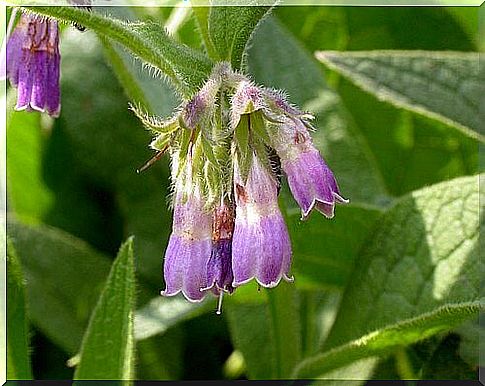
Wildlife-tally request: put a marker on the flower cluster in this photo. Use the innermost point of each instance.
(227, 226)
(32, 63)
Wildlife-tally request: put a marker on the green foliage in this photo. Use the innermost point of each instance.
(230, 28)
(107, 350)
(441, 85)
(387, 289)
(64, 277)
(416, 277)
(387, 339)
(18, 357)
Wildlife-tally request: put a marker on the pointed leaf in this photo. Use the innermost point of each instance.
(18, 358)
(443, 85)
(419, 274)
(108, 345)
(388, 339)
(230, 29)
(63, 275)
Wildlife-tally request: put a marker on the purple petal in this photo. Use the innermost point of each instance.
(173, 270)
(14, 54)
(274, 261)
(219, 266)
(25, 80)
(246, 246)
(53, 94)
(39, 85)
(261, 246)
(312, 182)
(185, 267)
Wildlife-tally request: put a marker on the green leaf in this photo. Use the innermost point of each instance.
(125, 77)
(230, 29)
(265, 327)
(202, 16)
(186, 68)
(64, 277)
(29, 195)
(325, 251)
(336, 135)
(108, 345)
(442, 85)
(251, 335)
(388, 339)
(284, 319)
(160, 314)
(418, 275)
(18, 358)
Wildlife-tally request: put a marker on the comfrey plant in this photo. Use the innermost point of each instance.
(227, 227)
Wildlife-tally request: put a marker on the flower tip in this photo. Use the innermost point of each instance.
(340, 199)
(289, 279)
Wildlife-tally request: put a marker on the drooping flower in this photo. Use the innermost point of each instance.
(189, 246)
(261, 246)
(311, 181)
(33, 64)
(237, 151)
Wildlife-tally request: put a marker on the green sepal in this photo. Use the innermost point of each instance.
(208, 150)
(242, 146)
(160, 142)
(258, 126)
(154, 123)
(184, 143)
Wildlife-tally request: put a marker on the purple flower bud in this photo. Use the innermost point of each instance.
(200, 107)
(247, 99)
(310, 179)
(32, 64)
(189, 247)
(261, 246)
(219, 266)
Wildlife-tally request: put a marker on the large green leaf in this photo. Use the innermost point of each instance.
(418, 275)
(186, 68)
(442, 85)
(268, 334)
(230, 28)
(29, 196)
(337, 136)
(18, 357)
(64, 277)
(385, 340)
(107, 350)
